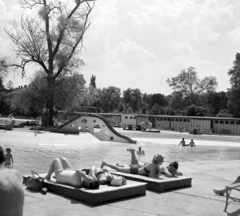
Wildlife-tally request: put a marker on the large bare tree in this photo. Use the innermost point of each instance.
(49, 37)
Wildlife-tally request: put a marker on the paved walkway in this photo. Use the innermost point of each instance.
(197, 200)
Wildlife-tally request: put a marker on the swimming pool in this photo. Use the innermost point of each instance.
(29, 156)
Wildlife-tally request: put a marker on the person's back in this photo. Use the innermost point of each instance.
(11, 193)
(146, 169)
(183, 143)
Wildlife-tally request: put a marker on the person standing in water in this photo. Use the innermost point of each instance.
(183, 143)
(192, 144)
(8, 158)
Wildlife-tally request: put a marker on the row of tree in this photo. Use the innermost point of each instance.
(191, 96)
(49, 39)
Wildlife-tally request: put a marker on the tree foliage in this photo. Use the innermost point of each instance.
(234, 91)
(196, 111)
(49, 37)
(133, 98)
(190, 86)
(110, 99)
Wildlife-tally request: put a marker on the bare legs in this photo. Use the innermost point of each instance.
(122, 167)
(134, 159)
(57, 165)
(222, 191)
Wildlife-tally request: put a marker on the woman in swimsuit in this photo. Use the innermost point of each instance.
(149, 169)
(170, 171)
(105, 177)
(65, 174)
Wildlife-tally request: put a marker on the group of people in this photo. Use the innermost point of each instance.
(183, 143)
(92, 178)
(146, 125)
(153, 169)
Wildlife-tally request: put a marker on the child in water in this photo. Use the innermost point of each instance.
(8, 158)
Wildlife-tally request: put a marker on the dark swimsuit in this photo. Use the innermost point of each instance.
(134, 168)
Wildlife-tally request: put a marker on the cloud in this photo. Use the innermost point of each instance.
(183, 48)
(133, 55)
(234, 35)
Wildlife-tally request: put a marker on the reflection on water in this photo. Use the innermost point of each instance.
(38, 157)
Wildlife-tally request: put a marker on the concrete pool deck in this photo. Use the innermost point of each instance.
(196, 200)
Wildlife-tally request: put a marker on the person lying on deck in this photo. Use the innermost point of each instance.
(65, 174)
(149, 169)
(221, 192)
(170, 171)
(105, 177)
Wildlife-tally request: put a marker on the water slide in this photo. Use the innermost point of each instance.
(97, 126)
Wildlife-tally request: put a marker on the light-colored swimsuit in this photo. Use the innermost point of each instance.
(69, 177)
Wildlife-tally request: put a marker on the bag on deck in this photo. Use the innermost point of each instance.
(35, 182)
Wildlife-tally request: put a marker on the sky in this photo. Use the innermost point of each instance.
(142, 43)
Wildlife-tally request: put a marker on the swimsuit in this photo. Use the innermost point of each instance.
(69, 177)
(147, 171)
(134, 168)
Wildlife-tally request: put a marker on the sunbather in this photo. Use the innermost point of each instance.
(65, 174)
(106, 177)
(221, 192)
(170, 171)
(149, 169)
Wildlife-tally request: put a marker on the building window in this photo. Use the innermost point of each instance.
(126, 117)
(238, 123)
(221, 122)
(130, 117)
(232, 122)
(176, 119)
(216, 122)
(226, 122)
(134, 117)
(184, 120)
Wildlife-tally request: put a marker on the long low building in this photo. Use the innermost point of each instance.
(184, 123)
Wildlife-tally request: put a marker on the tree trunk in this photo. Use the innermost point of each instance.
(50, 101)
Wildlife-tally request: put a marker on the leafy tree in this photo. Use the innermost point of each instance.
(110, 99)
(177, 101)
(214, 101)
(159, 99)
(169, 111)
(10, 84)
(93, 82)
(234, 91)
(50, 39)
(133, 98)
(196, 111)
(3, 67)
(68, 95)
(224, 113)
(157, 110)
(190, 86)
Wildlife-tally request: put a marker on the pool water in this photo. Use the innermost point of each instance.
(38, 157)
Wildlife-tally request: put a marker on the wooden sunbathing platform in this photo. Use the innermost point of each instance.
(159, 185)
(105, 193)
